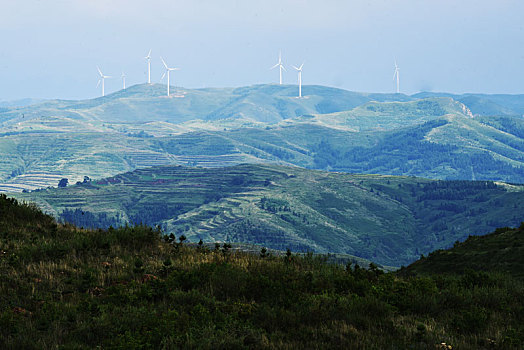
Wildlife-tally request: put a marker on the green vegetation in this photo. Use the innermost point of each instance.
(387, 219)
(65, 287)
(501, 251)
(330, 129)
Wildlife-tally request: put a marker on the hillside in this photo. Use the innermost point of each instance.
(450, 147)
(501, 251)
(329, 129)
(387, 219)
(65, 287)
(148, 103)
(484, 104)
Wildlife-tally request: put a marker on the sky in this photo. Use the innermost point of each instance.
(51, 48)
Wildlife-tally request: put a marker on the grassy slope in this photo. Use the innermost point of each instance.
(64, 287)
(391, 220)
(500, 251)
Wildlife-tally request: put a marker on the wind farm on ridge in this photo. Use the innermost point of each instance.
(279, 65)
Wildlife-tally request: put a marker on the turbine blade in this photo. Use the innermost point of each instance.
(164, 62)
(99, 71)
(295, 68)
(98, 84)
(149, 54)
(302, 65)
(284, 68)
(275, 66)
(163, 75)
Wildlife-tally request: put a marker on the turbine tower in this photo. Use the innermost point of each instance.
(148, 58)
(124, 79)
(102, 79)
(397, 75)
(168, 70)
(280, 65)
(299, 70)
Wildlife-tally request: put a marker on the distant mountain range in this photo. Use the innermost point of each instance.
(430, 135)
(387, 219)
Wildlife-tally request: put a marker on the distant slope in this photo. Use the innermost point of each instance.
(148, 103)
(391, 220)
(389, 115)
(484, 104)
(446, 147)
(328, 129)
(500, 251)
(450, 147)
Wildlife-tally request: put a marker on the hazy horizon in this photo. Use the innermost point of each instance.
(51, 49)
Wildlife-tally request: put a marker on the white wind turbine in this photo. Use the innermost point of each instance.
(124, 79)
(102, 79)
(397, 75)
(148, 58)
(280, 65)
(299, 70)
(168, 70)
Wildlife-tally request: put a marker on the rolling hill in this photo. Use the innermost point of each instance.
(148, 103)
(330, 129)
(387, 219)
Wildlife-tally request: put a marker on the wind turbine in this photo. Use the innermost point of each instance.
(299, 70)
(124, 79)
(102, 79)
(168, 70)
(280, 65)
(148, 58)
(397, 75)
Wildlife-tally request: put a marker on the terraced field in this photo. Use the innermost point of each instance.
(388, 219)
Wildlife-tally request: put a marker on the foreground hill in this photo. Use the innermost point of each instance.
(500, 251)
(387, 219)
(65, 287)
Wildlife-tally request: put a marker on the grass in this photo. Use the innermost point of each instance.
(65, 287)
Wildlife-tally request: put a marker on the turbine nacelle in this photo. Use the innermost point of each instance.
(299, 69)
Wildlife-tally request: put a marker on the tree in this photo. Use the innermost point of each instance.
(63, 182)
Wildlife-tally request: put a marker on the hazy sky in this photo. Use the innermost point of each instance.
(50, 48)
